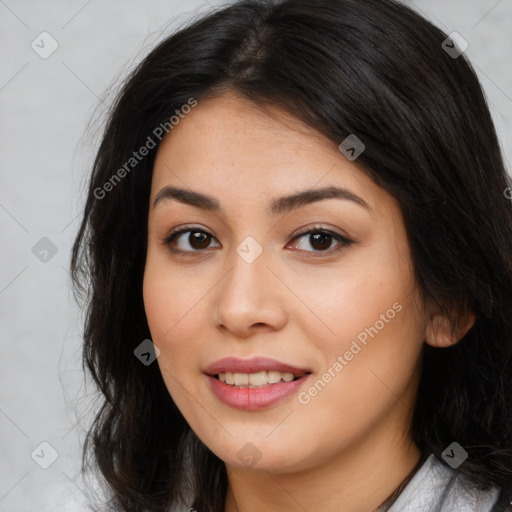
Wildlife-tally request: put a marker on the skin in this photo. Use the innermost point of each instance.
(294, 303)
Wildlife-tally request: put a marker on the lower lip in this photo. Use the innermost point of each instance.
(254, 399)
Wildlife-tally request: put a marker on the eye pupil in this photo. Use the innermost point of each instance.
(321, 241)
(199, 240)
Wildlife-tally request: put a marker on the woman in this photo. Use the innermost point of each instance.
(298, 250)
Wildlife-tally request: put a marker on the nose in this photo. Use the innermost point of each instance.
(250, 299)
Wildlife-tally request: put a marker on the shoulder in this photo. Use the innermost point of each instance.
(438, 488)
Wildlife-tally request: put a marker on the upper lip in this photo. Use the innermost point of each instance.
(254, 365)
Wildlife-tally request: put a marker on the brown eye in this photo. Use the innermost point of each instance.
(197, 240)
(320, 240)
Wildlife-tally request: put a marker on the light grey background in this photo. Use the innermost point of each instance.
(45, 152)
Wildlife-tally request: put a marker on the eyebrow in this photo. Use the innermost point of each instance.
(277, 206)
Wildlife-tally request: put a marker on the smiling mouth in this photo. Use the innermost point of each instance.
(261, 379)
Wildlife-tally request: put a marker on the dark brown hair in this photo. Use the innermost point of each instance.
(373, 68)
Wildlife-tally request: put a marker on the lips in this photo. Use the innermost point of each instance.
(248, 397)
(254, 365)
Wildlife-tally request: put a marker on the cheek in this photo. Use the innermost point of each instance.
(173, 323)
(371, 308)
(173, 328)
(169, 300)
(354, 295)
(362, 381)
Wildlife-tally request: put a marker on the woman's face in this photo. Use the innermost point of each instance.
(323, 284)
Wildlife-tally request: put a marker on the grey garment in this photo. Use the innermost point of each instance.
(437, 488)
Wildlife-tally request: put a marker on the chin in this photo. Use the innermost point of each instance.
(259, 454)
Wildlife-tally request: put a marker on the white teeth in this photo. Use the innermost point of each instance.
(254, 380)
(241, 379)
(258, 379)
(273, 377)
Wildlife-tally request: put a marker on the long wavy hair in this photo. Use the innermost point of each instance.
(373, 68)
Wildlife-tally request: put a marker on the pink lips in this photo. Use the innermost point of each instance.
(253, 399)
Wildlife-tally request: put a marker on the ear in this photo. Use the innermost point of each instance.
(438, 332)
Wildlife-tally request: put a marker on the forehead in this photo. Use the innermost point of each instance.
(228, 145)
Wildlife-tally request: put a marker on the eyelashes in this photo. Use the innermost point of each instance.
(324, 242)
